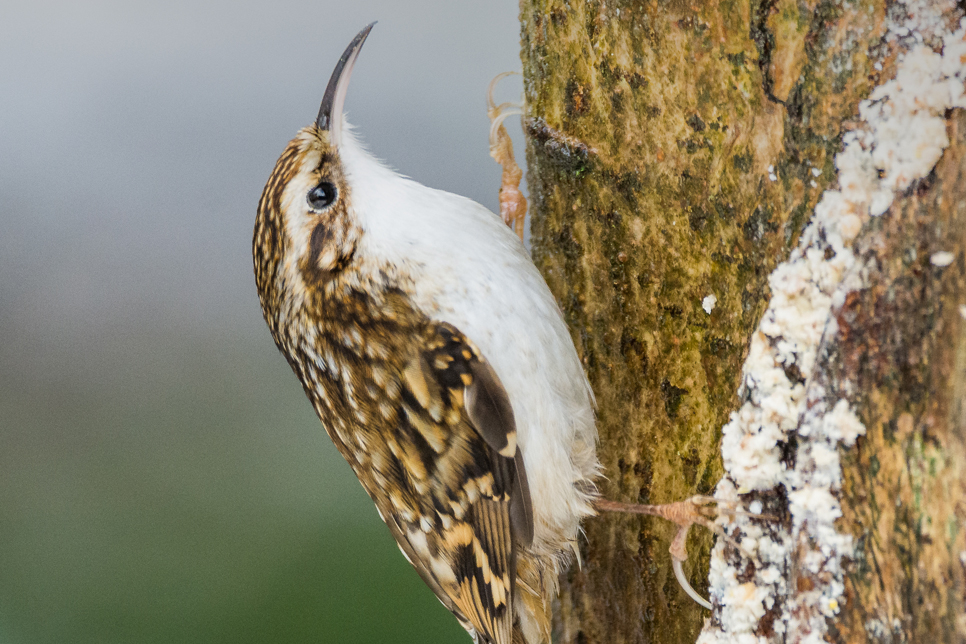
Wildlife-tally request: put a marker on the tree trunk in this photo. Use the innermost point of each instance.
(675, 153)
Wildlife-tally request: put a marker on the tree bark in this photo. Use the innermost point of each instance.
(901, 358)
(675, 151)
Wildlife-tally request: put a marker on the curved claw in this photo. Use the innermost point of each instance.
(679, 554)
(683, 581)
(503, 111)
(489, 90)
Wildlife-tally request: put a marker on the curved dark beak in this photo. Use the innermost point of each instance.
(330, 113)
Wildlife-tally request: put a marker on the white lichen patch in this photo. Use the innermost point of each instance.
(942, 259)
(900, 137)
(708, 303)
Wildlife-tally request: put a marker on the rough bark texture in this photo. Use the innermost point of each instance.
(671, 149)
(900, 357)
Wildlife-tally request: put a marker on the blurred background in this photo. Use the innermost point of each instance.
(162, 477)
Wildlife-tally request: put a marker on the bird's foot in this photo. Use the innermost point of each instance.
(513, 205)
(700, 510)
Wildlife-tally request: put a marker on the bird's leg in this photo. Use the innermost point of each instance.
(700, 510)
(513, 205)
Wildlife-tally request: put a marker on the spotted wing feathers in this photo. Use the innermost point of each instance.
(477, 512)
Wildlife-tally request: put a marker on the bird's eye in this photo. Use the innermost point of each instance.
(321, 196)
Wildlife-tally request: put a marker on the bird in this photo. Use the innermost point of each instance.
(439, 364)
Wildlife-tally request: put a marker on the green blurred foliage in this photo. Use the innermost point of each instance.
(177, 489)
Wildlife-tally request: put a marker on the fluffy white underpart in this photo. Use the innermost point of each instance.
(469, 269)
(901, 136)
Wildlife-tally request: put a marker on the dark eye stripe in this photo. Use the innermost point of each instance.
(321, 237)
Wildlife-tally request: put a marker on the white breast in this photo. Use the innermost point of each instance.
(470, 270)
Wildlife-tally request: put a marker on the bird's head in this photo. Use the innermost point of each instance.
(305, 231)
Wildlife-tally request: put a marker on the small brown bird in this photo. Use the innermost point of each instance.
(440, 366)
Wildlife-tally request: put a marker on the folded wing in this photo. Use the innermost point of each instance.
(464, 507)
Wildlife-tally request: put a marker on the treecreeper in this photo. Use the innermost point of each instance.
(441, 368)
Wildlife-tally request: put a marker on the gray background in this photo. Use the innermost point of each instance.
(162, 478)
